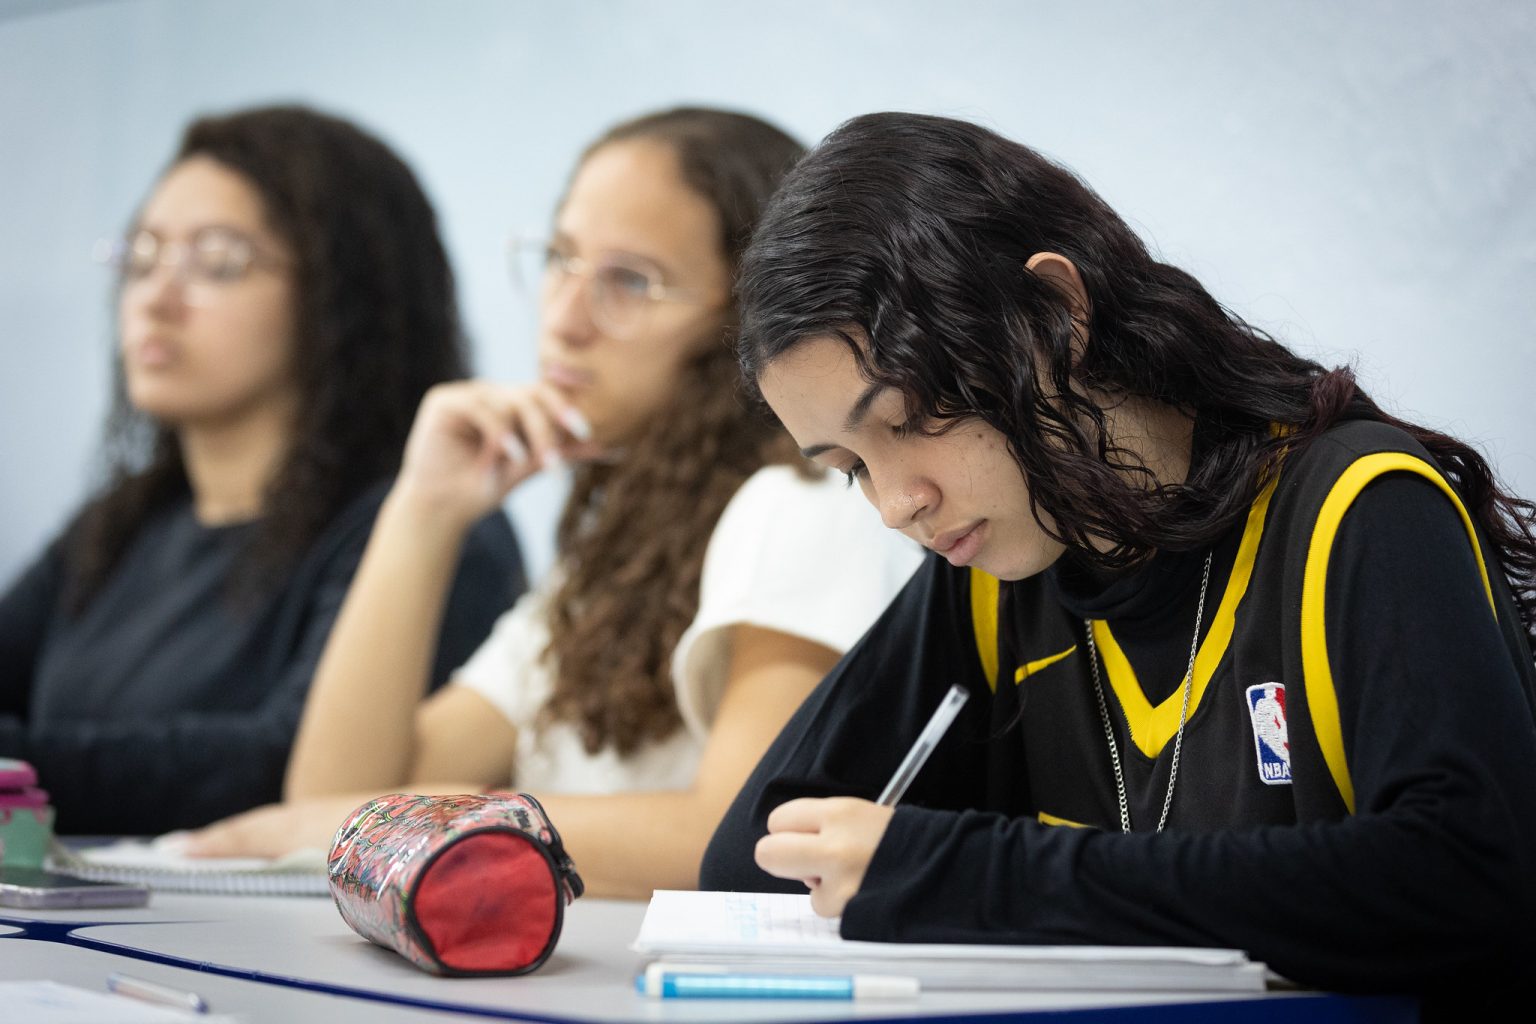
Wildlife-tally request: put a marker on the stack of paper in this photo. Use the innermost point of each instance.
(779, 932)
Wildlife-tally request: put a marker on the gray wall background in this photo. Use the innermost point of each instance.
(1359, 178)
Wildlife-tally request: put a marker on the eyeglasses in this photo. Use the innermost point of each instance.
(211, 258)
(620, 289)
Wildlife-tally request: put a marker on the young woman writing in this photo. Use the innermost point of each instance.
(1248, 658)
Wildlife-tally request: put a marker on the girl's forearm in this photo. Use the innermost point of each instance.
(628, 844)
(357, 731)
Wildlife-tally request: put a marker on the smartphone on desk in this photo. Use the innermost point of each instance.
(36, 889)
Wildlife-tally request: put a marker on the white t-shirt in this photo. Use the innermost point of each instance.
(805, 557)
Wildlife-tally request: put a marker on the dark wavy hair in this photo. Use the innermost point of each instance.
(907, 236)
(375, 325)
(632, 535)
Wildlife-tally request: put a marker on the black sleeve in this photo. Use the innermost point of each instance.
(490, 578)
(24, 613)
(1429, 884)
(854, 729)
(144, 775)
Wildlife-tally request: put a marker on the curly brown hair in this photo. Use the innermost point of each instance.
(632, 535)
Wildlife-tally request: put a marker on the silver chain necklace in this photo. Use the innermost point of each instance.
(1178, 740)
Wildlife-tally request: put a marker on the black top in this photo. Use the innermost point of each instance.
(1428, 881)
(168, 703)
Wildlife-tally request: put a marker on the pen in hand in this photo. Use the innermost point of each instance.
(929, 738)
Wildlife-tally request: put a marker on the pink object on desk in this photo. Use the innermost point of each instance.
(16, 774)
(457, 885)
(25, 796)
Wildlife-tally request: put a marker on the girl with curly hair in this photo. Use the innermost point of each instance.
(284, 303)
(706, 579)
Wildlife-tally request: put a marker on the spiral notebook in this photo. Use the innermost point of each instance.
(159, 865)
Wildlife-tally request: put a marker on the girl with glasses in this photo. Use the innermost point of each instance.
(284, 303)
(706, 578)
(1248, 658)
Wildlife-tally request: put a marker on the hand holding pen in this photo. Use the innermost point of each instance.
(828, 843)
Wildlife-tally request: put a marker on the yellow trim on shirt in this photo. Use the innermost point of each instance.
(984, 587)
(1317, 675)
(1151, 728)
(1051, 819)
(1030, 668)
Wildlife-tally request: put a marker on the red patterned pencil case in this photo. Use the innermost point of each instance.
(457, 885)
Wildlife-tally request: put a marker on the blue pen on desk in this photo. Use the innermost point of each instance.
(929, 738)
(680, 981)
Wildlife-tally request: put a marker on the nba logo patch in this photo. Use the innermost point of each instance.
(1266, 710)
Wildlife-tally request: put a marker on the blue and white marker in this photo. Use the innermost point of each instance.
(679, 981)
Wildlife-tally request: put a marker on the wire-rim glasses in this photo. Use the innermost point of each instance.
(211, 257)
(620, 289)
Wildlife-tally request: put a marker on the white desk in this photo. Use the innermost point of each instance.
(274, 959)
(88, 969)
